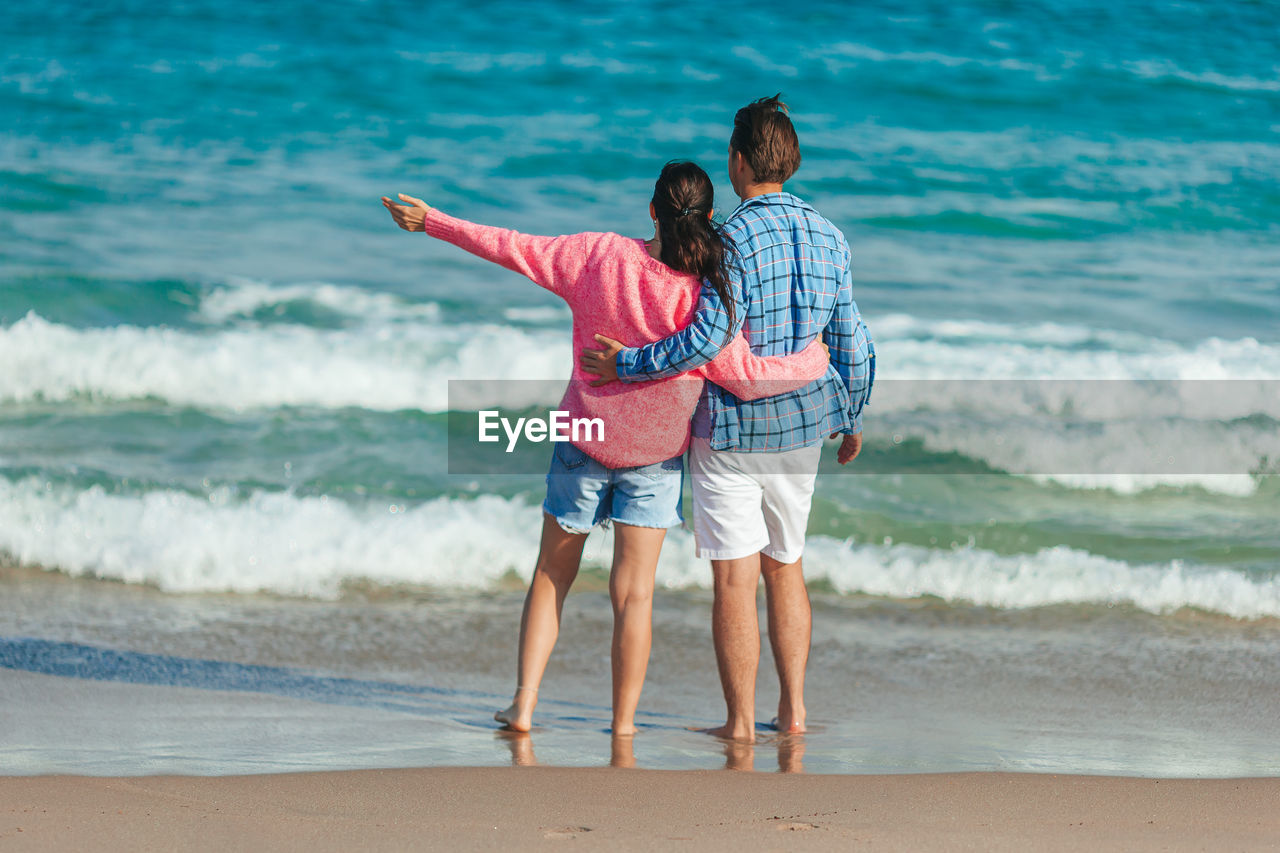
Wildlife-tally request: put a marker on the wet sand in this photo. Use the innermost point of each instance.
(617, 809)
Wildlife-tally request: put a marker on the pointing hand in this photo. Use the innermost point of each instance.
(408, 216)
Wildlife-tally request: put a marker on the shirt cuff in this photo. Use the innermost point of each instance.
(626, 364)
(855, 424)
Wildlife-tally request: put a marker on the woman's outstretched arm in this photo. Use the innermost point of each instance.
(556, 263)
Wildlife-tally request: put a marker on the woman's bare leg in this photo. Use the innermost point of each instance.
(635, 561)
(558, 559)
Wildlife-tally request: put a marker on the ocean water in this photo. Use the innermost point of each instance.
(224, 375)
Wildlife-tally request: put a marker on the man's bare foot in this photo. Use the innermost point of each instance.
(518, 716)
(737, 733)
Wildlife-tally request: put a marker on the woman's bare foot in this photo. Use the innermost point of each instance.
(518, 716)
(790, 720)
(795, 727)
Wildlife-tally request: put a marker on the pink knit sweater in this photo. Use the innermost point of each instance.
(615, 288)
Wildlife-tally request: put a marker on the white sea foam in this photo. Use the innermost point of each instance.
(972, 349)
(241, 298)
(1156, 70)
(310, 546)
(1027, 211)
(1058, 575)
(1123, 456)
(842, 55)
(465, 62)
(393, 354)
(1061, 423)
(399, 355)
(759, 61)
(1236, 485)
(268, 542)
(539, 315)
(385, 367)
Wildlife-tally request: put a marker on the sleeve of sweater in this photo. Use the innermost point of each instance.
(748, 376)
(556, 263)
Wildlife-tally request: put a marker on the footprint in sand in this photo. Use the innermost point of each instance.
(563, 832)
(794, 826)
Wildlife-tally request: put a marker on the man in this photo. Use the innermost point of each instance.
(753, 464)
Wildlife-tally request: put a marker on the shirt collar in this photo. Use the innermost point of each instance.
(784, 198)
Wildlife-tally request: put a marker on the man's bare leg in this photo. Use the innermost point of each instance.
(735, 629)
(558, 559)
(635, 561)
(790, 631)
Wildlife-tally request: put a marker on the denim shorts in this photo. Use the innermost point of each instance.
(582, 492)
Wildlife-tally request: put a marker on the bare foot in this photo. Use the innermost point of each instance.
(790, 725)
(518, 716)
(790, 719)
(739, 734)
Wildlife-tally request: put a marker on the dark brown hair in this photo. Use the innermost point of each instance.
(763, 133)
(683, 199)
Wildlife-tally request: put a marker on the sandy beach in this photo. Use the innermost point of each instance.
(262, 584)
(531, 807)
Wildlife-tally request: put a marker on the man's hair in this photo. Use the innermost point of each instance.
(763, 133)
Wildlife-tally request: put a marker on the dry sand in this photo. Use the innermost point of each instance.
(460, 809)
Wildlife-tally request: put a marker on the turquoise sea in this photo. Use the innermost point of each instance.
(229, 538)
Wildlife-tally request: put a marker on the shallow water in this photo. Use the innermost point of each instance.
(224, 374)
(234, 684)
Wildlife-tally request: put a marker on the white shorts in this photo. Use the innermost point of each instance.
(749, 502)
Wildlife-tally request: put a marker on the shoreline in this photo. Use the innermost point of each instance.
(466, 808)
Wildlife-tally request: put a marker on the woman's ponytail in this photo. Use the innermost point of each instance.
(683, 199)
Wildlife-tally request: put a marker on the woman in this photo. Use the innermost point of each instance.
(636, 291)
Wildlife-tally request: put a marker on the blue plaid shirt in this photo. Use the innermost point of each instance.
(794, 283)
